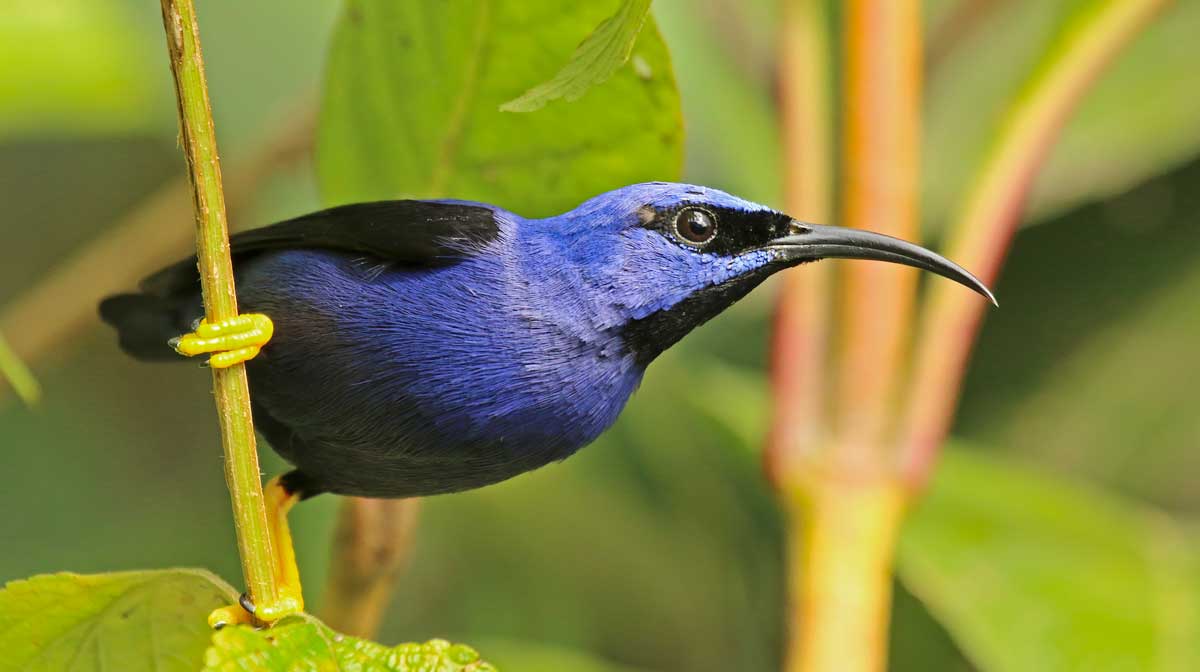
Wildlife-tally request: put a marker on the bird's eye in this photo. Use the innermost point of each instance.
(695, 226)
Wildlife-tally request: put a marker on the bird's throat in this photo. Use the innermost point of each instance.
(648, 337)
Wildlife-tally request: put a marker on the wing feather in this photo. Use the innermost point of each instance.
(408, 232)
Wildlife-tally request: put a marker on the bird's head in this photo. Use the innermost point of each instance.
(664, 258)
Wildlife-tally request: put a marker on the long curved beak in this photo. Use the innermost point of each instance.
(810, 242)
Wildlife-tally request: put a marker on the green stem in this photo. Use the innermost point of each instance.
(841, 543)
(18, 375)
(220, 298)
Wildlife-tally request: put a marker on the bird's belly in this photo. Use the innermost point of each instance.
(381, 394)
(386, 438)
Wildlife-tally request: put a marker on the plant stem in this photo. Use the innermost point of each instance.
(881, 167)
(18, 374)
(220, 298)
(981, 234)
(371, 546)
(843, 503)
(801, 330)
(841, 545)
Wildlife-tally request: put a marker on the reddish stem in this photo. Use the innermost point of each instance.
(801, 330)
(882, 139)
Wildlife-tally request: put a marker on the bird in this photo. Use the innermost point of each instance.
(409, 348)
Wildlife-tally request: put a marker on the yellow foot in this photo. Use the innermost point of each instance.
(246, 612)
(234, 614)
(229, 341)
(288, 598)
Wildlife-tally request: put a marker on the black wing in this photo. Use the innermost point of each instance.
(417, 233)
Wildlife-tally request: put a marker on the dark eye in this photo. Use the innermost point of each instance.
(695, 226)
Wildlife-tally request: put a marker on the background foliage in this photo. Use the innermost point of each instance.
(1059, 533)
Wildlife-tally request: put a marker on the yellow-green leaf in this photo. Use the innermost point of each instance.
(70, 66)
(1029, 572)
(1027, 63)
(411, 106)
(598, 56)
(128, 621)
(305, 645)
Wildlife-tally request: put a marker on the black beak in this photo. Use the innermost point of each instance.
(810, 242)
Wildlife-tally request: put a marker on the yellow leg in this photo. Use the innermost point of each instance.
(279, 502)
(227, 342)
(289, 598)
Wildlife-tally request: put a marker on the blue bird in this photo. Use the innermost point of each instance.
(426, 347)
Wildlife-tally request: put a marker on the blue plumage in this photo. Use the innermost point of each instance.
(425, 347)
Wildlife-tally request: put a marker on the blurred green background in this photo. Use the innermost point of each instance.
(660, 546)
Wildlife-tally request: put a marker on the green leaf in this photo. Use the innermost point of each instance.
(1028, 572)
(158, 621)
(1114, 401)
(412, 96)
(1140, 119)
(127, 621)
(304, 644)
(82, 67)
(598, 56)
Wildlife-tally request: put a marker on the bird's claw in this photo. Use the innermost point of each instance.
(288, 596)
(227, 342)
(233, 614)
(246, 611)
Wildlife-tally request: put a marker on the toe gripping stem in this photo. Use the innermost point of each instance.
(289, 598)
(228, 342)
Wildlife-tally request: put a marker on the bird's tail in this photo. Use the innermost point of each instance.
(145, 323)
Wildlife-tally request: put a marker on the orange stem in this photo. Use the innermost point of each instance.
(801, 330)
(882, 139)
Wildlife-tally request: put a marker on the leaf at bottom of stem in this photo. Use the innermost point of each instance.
(304, 644)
